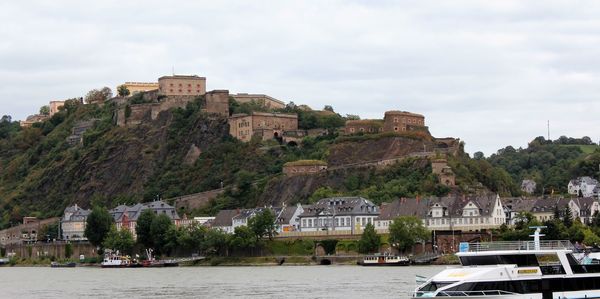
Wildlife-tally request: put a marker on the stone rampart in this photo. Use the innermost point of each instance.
(195, 201)
(46, 250)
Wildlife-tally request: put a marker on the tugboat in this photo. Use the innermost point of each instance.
(384, 260)
(112, 260)
(522, 269)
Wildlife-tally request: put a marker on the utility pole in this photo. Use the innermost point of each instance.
(548, 130)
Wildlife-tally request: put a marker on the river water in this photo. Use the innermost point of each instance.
(212, 282)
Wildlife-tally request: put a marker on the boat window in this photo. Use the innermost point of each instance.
(433, 286)
(521, 260)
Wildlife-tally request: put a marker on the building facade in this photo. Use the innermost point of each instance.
(400, 121)
(363, 126)
(444, 172)
(27, 232)
(137, 87)
(54, 106)
(528, 186)
(450, 213)
(182, 85)
(73, 222)
(583, 187)
(217, 101)
(263, 125)
(338, 214)
(127, 216)
(261, 99)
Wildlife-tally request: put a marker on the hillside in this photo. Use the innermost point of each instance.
(551, 164)
(186, 151)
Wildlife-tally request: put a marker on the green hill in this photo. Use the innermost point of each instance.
(41, 174)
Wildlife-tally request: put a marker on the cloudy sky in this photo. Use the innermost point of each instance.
(489, 72)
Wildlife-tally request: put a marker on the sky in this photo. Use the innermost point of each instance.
(492, 73)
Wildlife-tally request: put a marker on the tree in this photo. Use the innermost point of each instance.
(478, 156)
(98, 225)
(243, 238)
(369, 241)
(98, 96)
(263, 224)
(328, 108)
(142, 228)
(123, 91)
(49, 232)
(568, 218)
(557, 213)
(352, 117)
(215, 242)
(45, 110)
(121, 240)
(191, 237)
(158, 230)
(406, 231)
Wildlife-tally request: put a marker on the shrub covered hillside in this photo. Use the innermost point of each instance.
(551, 164)
(41, 174)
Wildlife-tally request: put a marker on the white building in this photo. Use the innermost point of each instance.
(288, 220)
(73, 222)
(447, 213)
(338, 214)
(584, 187)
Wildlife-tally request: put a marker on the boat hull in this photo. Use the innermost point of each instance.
(400, 264)
(523, 296)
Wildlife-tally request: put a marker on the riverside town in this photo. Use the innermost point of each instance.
(327, 186)
(295, 149)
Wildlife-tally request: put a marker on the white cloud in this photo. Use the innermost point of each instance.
(489, 72)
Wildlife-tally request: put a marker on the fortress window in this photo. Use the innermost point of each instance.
(171, 84)
(180, 90)
(170, 90)
(179, 84)
(189, 91)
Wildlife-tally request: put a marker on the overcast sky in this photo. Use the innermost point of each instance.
(491, 73)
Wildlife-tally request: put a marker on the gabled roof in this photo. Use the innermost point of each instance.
(519, 204)
(224, 218)
(454, 205)
(285, 216)
(133, 212)
(405, 207)
(341, 206)
(549, 204)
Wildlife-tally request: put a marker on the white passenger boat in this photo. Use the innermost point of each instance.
(384, 260)
(524, 269)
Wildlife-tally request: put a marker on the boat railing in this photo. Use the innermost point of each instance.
(464, 293)
(521, 245)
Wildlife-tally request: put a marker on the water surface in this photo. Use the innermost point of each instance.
(213, 282)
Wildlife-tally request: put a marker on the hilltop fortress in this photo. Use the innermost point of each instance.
(173, 92)
(144, 101)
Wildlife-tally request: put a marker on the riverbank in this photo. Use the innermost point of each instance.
(231, 261)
